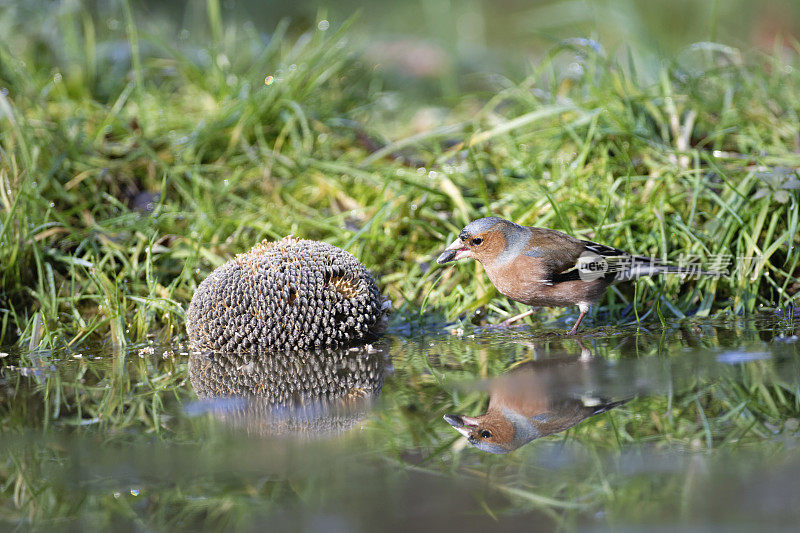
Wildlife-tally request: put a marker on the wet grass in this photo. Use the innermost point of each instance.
(134, 162)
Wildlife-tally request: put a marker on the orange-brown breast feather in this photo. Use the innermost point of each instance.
(530, 393)
(524, 392)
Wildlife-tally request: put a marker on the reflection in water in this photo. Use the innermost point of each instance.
(536, 399)
(315, 393)
(95, 439)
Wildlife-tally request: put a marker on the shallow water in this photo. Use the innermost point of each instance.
(706, 436)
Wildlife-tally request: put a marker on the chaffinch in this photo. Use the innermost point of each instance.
(547, 268)
(529, 403)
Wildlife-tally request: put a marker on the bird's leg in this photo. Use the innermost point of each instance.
(586, 353)
(520, 316)
(584, 309)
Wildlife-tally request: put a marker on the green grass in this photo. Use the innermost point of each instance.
(96, 121)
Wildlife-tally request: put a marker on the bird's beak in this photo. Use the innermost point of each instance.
(454, 252)
(462, 424)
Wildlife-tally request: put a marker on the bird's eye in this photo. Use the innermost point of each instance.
(486, 434)
(477, 241)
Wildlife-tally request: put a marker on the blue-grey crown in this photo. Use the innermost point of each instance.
(481, 225)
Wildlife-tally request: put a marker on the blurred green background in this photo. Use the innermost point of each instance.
(515, 30)
(429, 38)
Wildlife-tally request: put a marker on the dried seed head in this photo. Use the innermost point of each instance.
(286, 295)
(345, 286)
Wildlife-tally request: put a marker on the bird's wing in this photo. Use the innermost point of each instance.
(569, 259)
(617, 262)
(614, 265)
(558, 252)
(589, 261)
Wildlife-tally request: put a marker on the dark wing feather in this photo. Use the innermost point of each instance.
(603, 250)
(605, 404)
(614, 259)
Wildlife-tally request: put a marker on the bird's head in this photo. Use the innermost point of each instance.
(484, 240)
(491, 432)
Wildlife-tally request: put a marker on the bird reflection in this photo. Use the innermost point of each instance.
(535, 399)
(307, 394)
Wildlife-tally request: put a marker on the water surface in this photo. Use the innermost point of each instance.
(700, 432)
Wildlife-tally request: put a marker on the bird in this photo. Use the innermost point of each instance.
(543, 267)
(534, 400)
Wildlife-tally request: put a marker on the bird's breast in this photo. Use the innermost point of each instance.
(524, 280)
(527, 280)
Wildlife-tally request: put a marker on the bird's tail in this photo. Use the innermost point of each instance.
(637, 266)
(615, 265)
